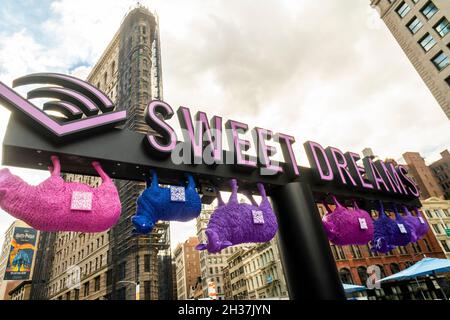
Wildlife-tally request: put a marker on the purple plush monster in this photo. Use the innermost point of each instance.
(347, 227)
(423, 226)
(402, 234)
(414, 224)
(384, 228)
(235, 223)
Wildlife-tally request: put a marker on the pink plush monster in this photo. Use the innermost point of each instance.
(56, 205)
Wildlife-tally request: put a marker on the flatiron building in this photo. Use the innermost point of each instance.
(109, 265)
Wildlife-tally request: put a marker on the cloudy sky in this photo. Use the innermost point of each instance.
(325, 70)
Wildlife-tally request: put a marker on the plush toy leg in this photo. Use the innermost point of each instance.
(191, 181)
(219, 199)
(56, 170)
(234, 190)
(100, 171)
(4, 174)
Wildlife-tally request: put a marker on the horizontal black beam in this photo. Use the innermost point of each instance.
(124, 155)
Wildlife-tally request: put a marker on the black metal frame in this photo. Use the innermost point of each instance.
(310, 269)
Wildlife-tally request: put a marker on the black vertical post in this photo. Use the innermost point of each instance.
(308, 263)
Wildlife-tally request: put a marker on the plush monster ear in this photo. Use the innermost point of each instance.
(201, 246)
(225, 244)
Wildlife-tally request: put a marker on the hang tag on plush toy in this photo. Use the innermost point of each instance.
(421, 220)
(177, 194)
(402, 228)
(363, 224)
(81, 201)
(258, 217)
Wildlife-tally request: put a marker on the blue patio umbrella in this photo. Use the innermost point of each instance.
(424, 267)
(351, 288)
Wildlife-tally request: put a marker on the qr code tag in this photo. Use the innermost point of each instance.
(177, 194)
(402, 228)
(421, 220)
(81, 201)
(363, 224)
(258, 217)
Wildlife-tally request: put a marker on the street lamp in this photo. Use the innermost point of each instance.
(136, 284)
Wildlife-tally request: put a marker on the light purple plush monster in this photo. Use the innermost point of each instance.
(56, 205)
(414, 224)
(236, 223)
(348, 227)
(423, 226)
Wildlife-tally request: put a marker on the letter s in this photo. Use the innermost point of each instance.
(164, 140)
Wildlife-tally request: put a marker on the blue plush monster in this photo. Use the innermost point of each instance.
(174, 203)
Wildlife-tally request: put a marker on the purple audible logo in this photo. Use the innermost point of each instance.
(83, 107)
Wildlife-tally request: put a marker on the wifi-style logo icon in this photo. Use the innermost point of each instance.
(83, 107)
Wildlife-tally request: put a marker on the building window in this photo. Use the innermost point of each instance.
(442, 27)
(416, 247)
(362, 273)
(427, 245)
(403, 9)
(369, 251)
(86, 289)
(121, 294)
(346, 276)
(445, 246)
(97, 284)
(427, 42)
(356, 252)
(437, 228)
(147, 290)
(395, 268)
(382, 272)
(146, 263)
(415, 25)
(441, 61)
(341, 253)
(122, 269)
(403, 250)
(109, 277)
(429, 10)
(77, 294)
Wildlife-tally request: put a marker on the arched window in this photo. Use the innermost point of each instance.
(346, 276)
(382, 272)
(427, 245)
(395, 268)
(362, 273)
